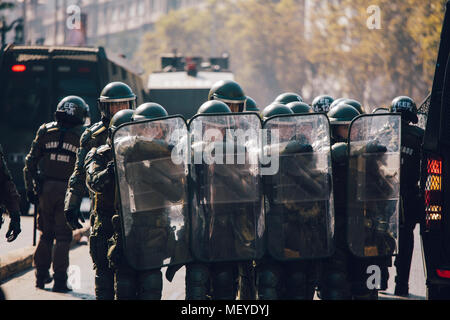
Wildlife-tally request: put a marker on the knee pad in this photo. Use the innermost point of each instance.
(268, 282)
(197, 282)
(150, 285)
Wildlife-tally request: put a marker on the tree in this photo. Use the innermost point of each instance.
(330, 47)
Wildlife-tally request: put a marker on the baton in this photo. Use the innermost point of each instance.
(35, 224)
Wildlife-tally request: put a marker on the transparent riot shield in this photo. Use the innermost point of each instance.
(227, 213)
(151, 173)
(299, 205)
(373, 185)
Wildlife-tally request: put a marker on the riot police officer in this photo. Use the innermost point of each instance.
(363, 233)
(322, 103)
(232, 94)
(206, 280)
(129, 282)
(229, 92)
(48, 166)
(294, 229)
(114, 97)
(99, 168)
(223, 240)
(335, 280)
(10, 201)
(411, 199)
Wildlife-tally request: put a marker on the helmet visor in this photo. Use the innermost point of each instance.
(109, 109)
(340, 131)
(235, 105)
(151, 130)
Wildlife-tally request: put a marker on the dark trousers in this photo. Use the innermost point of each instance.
(412, 207)
(54, 242)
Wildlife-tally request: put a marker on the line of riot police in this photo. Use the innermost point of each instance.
(169, 192)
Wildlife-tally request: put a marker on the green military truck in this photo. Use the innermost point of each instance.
(32, 81)
(183, 83)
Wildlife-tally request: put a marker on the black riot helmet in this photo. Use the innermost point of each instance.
(299, 107)
(274, 109)
(355, 104)
(250, 105)
(149, 110)
(214, 107)
(322, 103)
(229, 92)
(406, 106)
(336, 102)
(380, 110)
(72, 110)
(340, 118)
(288, 97)
(121, 117)
(114, 97)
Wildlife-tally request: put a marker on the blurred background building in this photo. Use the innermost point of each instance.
(115, 24)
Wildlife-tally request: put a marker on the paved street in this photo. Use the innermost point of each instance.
(81, 276)
(25, 238)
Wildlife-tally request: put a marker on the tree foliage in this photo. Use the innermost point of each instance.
(324, 47)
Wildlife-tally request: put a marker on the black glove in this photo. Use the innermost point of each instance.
(171, 270)
(73, 216)
(14, 226)
(110, 167)
(32, 197)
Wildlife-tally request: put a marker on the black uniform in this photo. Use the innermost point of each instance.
(48, 167)
(9, 199)
(411, 201)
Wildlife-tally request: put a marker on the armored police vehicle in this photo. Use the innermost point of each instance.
(435, 179)
(32, 81)
(183, 83)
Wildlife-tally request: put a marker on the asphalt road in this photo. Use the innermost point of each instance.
(81, 277)
(25, 238)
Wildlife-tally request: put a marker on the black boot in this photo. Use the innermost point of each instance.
(60, 284)
(401, 289)
(42, 278)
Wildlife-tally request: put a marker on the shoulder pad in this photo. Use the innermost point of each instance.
(85, 137)
(104, 148)
(42, 129)
(97, 128)
(51, 126)
(96, 125)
